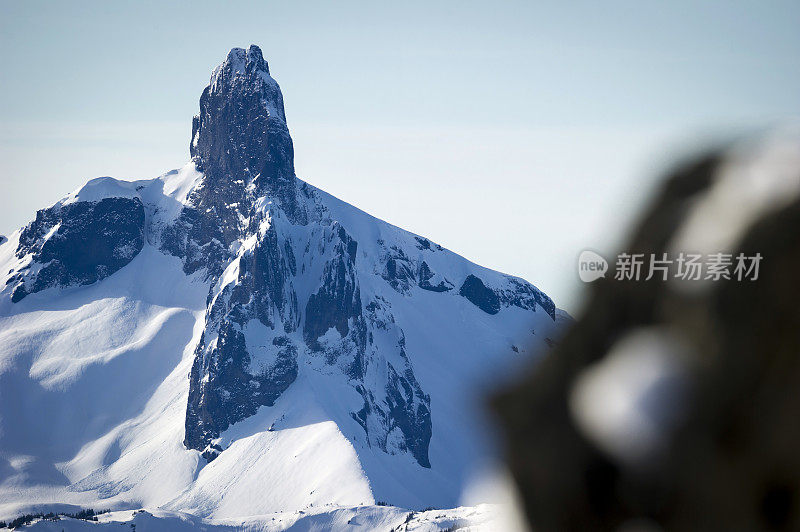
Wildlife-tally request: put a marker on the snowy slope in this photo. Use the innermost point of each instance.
(483, 518)
(226, 340)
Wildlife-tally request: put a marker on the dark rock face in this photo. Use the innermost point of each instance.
(425, 244)
(283, 277)
(225, 387)
(403, 272)
(198, 239)
(482, 297)
(242, 145)
(409, 410)
(232, 391)
(526, 296)
(720, 450)
(265, 283)
(289, 287)
(395, 418)
(240, 138)
(73, 244)
(338, 300)
(400, 270)
(425, 276)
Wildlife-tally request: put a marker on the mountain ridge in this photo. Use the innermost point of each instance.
(260, 288)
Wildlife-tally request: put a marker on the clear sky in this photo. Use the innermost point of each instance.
(516, 134)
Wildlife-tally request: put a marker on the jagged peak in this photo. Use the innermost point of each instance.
(241, 62)
(247, 72)
(240, 136)
(256, 58)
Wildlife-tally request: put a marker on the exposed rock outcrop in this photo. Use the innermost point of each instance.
(74, 244)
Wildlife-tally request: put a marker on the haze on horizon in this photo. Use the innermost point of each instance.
(515, 135)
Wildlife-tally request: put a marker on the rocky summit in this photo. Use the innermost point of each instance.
(226, 330)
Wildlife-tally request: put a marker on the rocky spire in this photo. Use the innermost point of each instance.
(240, 135)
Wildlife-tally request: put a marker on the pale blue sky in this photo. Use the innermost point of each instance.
(516, 133)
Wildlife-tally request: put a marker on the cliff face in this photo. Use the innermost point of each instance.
(71, 244)
(314, 317)
(240, 140)
(296, 273)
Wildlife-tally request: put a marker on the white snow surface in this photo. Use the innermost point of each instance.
(100, 188)
(481, 518)
(96, 385)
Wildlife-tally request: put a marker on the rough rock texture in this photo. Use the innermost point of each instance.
(302, 289)
(696, 384)
(427, 278)
(482, 297)
(286, 272)
(198, 238)
(240, 137)
(231, 392)
(73, 245)
(338, 300)
(241, 143)
(524, 295)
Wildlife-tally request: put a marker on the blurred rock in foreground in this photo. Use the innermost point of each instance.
(675, 404)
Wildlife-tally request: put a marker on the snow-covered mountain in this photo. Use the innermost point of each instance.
(227, 340)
